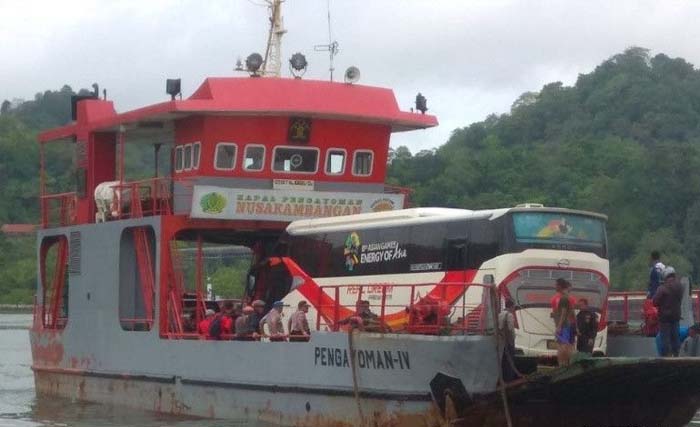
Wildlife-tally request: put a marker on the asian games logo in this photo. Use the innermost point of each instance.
(352, 251)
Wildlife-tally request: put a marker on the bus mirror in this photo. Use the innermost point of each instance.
(489, 279)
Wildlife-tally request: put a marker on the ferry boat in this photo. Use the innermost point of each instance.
(287, 177)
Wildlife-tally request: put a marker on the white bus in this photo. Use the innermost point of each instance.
(395, 258)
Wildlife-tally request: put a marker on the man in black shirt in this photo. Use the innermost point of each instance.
(668, 300)
(586, 327)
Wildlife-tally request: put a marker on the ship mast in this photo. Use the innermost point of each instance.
(272, 63)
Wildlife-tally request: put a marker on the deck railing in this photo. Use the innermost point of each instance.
(626, 307)
(444, 308)
(147, 197)
(58, 210)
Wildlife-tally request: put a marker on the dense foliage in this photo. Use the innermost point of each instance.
(19, 183)
(624, 141)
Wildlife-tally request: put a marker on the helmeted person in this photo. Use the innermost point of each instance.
(273, 319)
(655, 273)
(298, 325)
(667, 299)
(203, 326)
(242, 326)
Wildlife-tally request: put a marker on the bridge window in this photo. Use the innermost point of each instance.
(295, 160)
(254, 157)
(188, 157)
(179, 162)
(196, 149)
(335, 161)
(362, 163)
(225, 158)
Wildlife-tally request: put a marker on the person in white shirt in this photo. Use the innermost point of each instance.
(506, 330)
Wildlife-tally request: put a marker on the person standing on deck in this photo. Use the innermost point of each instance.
(255, 317)
(203, 327)
(243, 331)
(298, 325)
(586, 327)
(655, 273)
(668, 300)
(274, 322)
(506, 328)
(227, 318)
(691, 345)
(564, 320)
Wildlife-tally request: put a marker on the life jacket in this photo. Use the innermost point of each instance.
(215, 327)
(650, 316)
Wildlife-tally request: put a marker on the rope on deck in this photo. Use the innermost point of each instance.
(351, 347)
(500, 351)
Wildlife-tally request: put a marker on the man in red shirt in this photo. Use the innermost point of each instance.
(227, 319)
(564, 320)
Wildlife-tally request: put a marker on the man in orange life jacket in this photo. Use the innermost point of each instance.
(203, 327)
(227, 318)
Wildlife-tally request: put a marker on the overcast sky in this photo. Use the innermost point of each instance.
(469, 58)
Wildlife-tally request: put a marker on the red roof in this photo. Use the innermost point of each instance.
(18, 229)
(264, 96)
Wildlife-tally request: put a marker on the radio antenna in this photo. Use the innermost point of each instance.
(332, 47)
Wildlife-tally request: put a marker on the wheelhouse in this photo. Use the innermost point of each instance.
(207, 184)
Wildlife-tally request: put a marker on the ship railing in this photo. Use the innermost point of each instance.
(58, 210)
(626, 308)
(148, 197)
(443, 309)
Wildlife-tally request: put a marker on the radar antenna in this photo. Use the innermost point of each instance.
(332, 47)
(272, 63)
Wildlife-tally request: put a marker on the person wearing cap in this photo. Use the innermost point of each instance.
(273, 319)
(203, 326)
(691, 345)
(298, 325)
(564, 321)
(255, 317)
(243, 332)
(668, 301)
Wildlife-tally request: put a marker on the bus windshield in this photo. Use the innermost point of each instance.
(556, 230)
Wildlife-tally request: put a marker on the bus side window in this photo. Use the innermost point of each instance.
(484, 242)
(456, 256)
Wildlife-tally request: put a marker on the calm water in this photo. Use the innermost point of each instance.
(19, 407)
